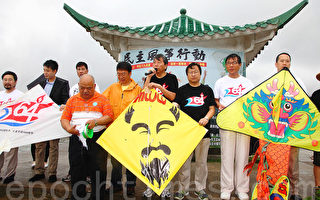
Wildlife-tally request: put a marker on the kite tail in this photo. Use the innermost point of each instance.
(249, 166)
(281, 189)
(263, 187)
(261, 191)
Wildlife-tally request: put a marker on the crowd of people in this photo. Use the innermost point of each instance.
(84, 104)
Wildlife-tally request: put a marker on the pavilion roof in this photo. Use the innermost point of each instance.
(184, 29)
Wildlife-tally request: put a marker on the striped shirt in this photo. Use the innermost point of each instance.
(78, 111)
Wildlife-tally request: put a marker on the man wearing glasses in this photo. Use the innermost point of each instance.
(120, 95)
(197, 101)
(234, 146)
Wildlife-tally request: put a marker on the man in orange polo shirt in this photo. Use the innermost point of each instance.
(87, 108)
(120, 95)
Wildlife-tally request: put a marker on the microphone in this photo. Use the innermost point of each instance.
(150, 72)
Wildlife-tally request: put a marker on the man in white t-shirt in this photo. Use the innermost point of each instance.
(82, 68)
(9, 80)
(234, 146)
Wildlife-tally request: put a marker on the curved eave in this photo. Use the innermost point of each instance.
(287, 16)
(82, 20)
(282, 21)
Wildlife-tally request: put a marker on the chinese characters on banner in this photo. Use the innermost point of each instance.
(179, 57)
(210, 59)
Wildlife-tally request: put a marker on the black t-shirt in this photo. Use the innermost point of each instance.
(169, 82)
(195, 101)
(316, 99)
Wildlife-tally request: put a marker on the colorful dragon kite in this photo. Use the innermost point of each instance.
(279, 114)
(277, 111)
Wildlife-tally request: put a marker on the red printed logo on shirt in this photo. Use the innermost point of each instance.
(196, 101)
(5, 102)
(164, 86)
(234, 91)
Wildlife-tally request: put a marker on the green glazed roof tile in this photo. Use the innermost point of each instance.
(287, 16)
(185, 26)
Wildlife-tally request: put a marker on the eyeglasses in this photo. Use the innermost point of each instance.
(122, 74)
(193, 73)
(232, 63)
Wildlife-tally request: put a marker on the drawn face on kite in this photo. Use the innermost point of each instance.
(292, 120)
(152, 131)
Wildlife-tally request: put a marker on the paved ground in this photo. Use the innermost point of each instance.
(22, 189)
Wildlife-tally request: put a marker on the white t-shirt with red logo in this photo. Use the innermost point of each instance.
(228, 89)
(9, 97)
